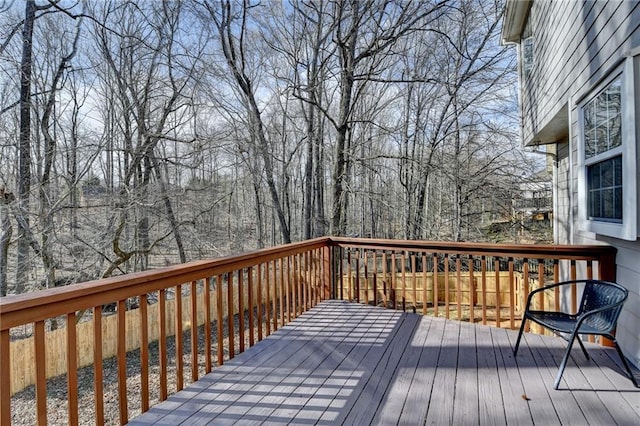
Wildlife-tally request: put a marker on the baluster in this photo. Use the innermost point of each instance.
(98, 393)
(122, 362)
(496, 265)
(230, 320)
(250, 304)
(459, 286)
(446, 284)
(357, 272)
(274, 306)
(556, 278)
(435, 284)
(424, 284)
(393, 281)
(207, 325)
(144, 353)
(403, 274)
(162, 342)
(414, 283)
(483, 272)
(385, 280)
(286, 274)
(72, 369)
(241, 310)
(219, 323)
(472, 291)
(365, 262)
(541, 283)
(525, 295)
(512, 294)
(179, 340)
(375, 278)
(194, 330)
(267, 301)
(281, 291)
(260, 300)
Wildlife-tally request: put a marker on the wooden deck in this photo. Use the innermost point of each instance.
(343, 363)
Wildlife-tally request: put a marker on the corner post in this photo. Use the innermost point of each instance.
(327, 269)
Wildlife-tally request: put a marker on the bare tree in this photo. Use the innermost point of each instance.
(365, 34)
(24, 147)
(232, 32)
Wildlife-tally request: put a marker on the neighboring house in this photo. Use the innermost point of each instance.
(579, 66)
(534, 202)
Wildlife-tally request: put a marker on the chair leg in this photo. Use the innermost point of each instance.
(584, 350)
(565, 358)
(625, 363)
(515, 349)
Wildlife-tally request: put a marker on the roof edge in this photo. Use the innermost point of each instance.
(515, 13)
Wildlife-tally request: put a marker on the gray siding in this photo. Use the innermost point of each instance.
(628, 274)
(561, 197)
(575, 44)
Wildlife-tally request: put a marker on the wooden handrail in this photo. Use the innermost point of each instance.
(275, 283)
(543, 251)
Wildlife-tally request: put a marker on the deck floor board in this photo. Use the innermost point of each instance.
(343, 363)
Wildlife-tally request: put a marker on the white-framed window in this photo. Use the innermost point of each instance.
(607, 162)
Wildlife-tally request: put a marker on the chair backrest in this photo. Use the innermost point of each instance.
(600, 294)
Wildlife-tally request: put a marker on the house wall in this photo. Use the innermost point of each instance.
(561, 197)
(575, 45)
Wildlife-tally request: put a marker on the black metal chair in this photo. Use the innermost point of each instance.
(597, 314)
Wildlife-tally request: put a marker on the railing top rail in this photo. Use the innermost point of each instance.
(26, 308)
(537, 251)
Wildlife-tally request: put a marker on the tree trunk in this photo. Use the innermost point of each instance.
(169, 210)
(24, 147)
(340, 172)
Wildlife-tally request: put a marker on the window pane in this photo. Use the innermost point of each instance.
(618, 201)
(617, 169)
(601, 109)
(593, 176)
(602, 120)
(615, 132)
(607, 203)
(589, 116)
(590, 143)
(601, 139)
(604, 186)
(594, 204)
(606, 174)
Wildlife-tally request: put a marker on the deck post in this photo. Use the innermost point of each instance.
(607, 266)
(607, 272)
(327, 268)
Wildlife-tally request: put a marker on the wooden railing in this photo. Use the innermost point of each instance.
(488, 283)
(261, 291)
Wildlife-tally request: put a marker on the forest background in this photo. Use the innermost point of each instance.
(135, 134)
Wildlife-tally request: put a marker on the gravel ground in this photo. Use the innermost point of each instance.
(23, 410)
